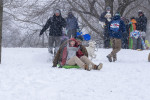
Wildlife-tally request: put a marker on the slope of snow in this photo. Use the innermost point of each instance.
(26, 74)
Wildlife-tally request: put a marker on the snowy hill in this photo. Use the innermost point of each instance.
(26, 74)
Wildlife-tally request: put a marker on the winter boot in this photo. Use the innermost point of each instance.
(99, 66)
(109, 58)
(149, 57)
(88, 67)
(114, 57)
(50, 51)
(95, 67)
(54, 53)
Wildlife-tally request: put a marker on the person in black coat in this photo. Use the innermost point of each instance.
(55, 25)
(141, 22)
(105, 18)
(125, 35)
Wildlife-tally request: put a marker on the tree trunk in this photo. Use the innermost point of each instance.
(43, 41)
(123, 5)
(1, 21)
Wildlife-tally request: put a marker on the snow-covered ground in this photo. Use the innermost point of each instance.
(26, 74)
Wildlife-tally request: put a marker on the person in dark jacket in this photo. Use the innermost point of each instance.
(125, 35)
(105, 18)
(55, 25)
(142, 24)
(72, 25)
(116, 29)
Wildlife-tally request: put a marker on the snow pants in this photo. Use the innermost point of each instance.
(80, 61)
(137, 43)
(116, 46)
(54, 42)
(72, 33)
(106, 38)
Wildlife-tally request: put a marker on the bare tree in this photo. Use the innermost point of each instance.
(1, 21)
(28, 17)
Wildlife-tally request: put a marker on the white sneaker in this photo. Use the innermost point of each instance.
(99, 66)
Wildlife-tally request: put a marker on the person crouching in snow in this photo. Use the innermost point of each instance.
(116, 28)
(71, 54)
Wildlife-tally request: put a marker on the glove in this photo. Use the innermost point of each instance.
(102, 24)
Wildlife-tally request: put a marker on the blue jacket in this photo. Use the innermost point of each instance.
(121, 30)
(72, 23)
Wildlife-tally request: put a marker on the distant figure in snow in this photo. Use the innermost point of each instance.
(72, 25)
(142, 24)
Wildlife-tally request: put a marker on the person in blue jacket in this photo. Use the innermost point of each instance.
(116, 29)
(72, 25)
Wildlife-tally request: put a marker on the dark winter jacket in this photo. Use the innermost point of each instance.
(121, 30)
(72, 23)
(55, 23)
(104, 19)
(141, 23)
(59, 55)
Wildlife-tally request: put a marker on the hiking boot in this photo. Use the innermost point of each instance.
(51, 51)
(99, 66)
(88, 67)
(85, 67)
(109, 58)
(54, 53)
(95, 67)
(114, 59)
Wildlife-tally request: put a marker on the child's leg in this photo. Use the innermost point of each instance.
(75, 60)
(86, 60)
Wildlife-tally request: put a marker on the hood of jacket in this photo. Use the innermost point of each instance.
(116, 17)
(133, 21)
